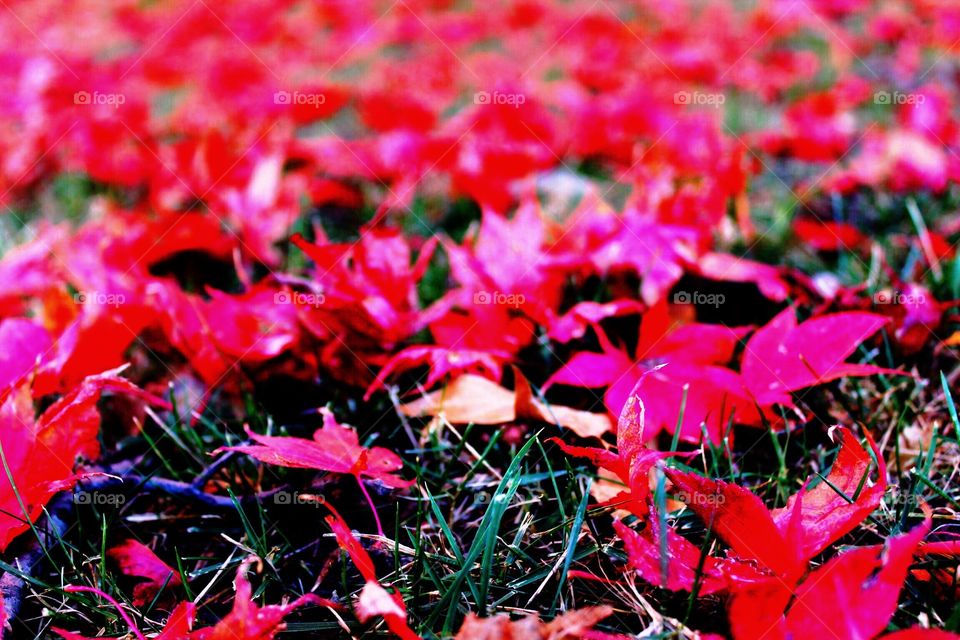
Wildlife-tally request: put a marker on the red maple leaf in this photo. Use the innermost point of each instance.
(246, 621)
(692, 356)
(851, 596)
(374, 599)
(783, 540)
(783, 356)
(138, 560)
(334, 448)
(39, 454)
(632, 462)
(764, 543)
(369, 288)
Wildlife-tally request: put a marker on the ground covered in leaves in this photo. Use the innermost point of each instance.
(523, 319)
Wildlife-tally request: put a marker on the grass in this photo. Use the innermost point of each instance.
(451, 552)
(495, 521)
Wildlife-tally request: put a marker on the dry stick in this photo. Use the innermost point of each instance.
(201, 480)
(216, 576)
(173, 488)
(12, 585)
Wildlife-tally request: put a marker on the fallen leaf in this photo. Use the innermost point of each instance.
(572, 625)
(334, 448)
(783, 540)
(477, 400)
(138, 560)
(374, 599)
(40, 454)
(784, 356)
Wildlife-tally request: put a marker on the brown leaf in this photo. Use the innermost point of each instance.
(475, 399)
(572, 625)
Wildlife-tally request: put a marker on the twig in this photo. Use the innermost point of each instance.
(53, 525)
(12, 584)
(201, 480)
(172, 488)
